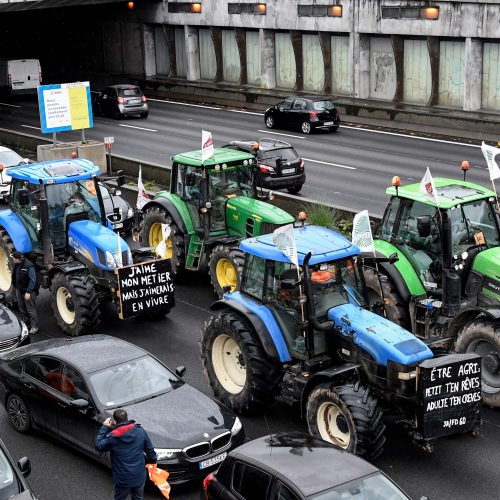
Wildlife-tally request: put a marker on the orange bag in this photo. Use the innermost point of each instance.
(159, 478)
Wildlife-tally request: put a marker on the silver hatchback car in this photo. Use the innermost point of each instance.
(122, 100)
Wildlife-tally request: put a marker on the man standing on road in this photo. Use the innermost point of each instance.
(127, 442)
(24, 275)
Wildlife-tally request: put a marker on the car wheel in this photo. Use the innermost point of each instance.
(334, 129)
(145, 114)
(270, 123)
(19, 415)
(294, 189)
(305, 127)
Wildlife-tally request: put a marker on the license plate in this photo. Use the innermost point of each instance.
(213, 461)
(134, 101)
(328, 123)
(118, 225)
(288, 171)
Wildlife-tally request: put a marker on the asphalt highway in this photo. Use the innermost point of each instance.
(350, 169)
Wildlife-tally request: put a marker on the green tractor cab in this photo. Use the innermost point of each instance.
(211, 206)
(445, 286)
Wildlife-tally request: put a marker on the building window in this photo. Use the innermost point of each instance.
(428, 13)
(333, 10)
(246, 8)
(184, 7)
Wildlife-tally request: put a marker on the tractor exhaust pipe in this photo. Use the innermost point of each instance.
(48, 250)
(451, 281)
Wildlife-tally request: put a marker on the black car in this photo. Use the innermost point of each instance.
(304, 113)
(119, 101)
(13, 333)
(113, 200)
(67, 388)
(297, 466)
(279, 166)
(12, 483)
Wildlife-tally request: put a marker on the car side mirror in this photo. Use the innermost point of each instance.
(180, 371)
(424, 226)
(79, 404)
(120, 178)
(23, 197)
(24, 466)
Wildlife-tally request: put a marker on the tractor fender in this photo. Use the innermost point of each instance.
(16, 231)
(271, 339)
(330, 374)
(171, 209)
(468, 315)
(67, 268)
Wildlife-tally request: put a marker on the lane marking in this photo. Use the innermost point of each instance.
(278, 133)
(332, 164)
(10, 105)
(245, 112)
(138, 128)
(29, 126)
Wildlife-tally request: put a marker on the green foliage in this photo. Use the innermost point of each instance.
(320, 214)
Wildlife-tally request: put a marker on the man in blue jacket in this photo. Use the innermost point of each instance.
(127, 443)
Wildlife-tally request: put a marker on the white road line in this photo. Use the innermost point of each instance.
(139, 128)
(244, 112)
(332, 164)
(278, 133)
(10, 105)
(29, 126)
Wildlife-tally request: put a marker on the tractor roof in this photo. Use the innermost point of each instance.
(56, 171)
(450, 193)
(324, 245)
(220, 156)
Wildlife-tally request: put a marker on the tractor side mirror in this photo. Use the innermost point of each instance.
(120, 178)
(23, 197)
(180, 371)
(24, 466)
(424, 226)
(190, 179)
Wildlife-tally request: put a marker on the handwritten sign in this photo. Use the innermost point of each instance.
(450, 395)
(145, 288)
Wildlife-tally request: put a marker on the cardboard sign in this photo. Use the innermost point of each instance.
(450, 395)
(145, 288)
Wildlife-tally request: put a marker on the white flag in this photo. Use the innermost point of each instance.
(161, 248)
(119, 260)
(142, 196)
(362, 232)
(207, 146)
(284, 239)
(489, 153)
(427, 185)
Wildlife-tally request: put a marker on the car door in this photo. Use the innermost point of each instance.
(281, 491)
(299, 112)
(107, 100)
(282, 115)
(249, 482)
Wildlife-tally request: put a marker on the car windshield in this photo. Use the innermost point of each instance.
(373, 487)
(10, 159)
(320, 105)
(133, 92)
(288, 154)
(9, 484)
(131, 382)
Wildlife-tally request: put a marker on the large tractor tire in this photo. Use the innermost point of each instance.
(396, 309)
(347, 416)
(225, 267)
(75, 303)
(239, 372)
(482, 337)
(6, 268)
(153, 218)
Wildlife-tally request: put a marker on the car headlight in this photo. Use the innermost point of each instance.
(236, 426)
(166, 453)
(130, 212)
(24, 330)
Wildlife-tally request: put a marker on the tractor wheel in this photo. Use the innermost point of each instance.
(6, 268)
(238, 370)
(482, 337)
(151, 235)
(395, 307)
(347, 416)
(75, 303)
(225, 267)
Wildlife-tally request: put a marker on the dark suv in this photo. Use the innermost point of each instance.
(119, 101)
(279, 166)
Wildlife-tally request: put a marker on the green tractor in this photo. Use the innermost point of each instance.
(211, 206)
(445, 285)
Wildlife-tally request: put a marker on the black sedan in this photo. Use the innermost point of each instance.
(304, 113)
(67, 388)
(13, 333)
(297, 466)
(12, 483)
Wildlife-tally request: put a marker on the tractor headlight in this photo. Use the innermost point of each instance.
(110, 260)
(236, 426)
(166, 453)
(130, 212)
(407, 375)
(24, 331)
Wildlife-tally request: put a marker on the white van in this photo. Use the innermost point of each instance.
(19, 76)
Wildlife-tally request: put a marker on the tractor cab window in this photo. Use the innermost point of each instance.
(253, 276)
(29, 214)
(386, 228)
(188, 187)
(472, 224)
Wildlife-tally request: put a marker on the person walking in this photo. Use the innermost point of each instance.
(24, 275)
(127, 443)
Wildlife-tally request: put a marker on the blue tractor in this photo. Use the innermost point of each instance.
(304, 336)
(57, 219)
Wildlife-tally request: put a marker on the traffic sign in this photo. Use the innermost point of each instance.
(109, 140)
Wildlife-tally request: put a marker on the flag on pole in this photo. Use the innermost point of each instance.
(489, 153)
(142, 195)
(284, 239)
(427, 186)
(119, 260)
(207, 146)
(161, 248)
(362, 232)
